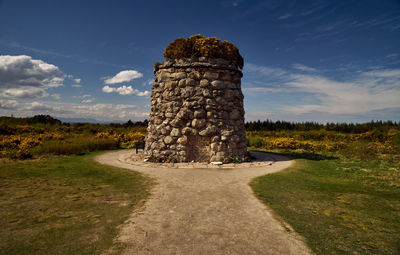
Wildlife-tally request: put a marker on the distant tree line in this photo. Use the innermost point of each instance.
(131, 124)
(42, 119)
(48, 120)
(269, 125)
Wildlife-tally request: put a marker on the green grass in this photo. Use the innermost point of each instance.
(341, 206)
(65, 204)
(74, 145)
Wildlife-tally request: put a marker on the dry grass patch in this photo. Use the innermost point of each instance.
(64, 205)
(341, 206)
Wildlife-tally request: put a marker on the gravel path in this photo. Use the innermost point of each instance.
(204, 211)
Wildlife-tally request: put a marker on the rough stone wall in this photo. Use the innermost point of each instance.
(196, 112)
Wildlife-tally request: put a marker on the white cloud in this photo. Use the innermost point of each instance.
(262, 89)
(304, 68)
(124, 76)
(108, 89)
(24, 77)
(305, 92)
(76, 81)
(56, 96)
(366, 93)
(87, 101)
(36, 106)
(102, 112)
(148, 82)
(86, 98)
(8, 104)
(110, 111)
(24, 92)
(19, 71)
(389, 73)
(143, 93)
(264, 70)
(125, 90)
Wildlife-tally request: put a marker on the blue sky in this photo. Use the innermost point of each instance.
(304, 60)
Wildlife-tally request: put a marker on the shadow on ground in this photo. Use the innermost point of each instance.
(300, 155)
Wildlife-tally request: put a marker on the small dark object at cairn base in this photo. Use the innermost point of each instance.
(139, 145)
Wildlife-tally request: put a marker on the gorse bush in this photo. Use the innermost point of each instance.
(124, 140)
(200, 46)
(368, 145)
(19, 140)
(75, 145)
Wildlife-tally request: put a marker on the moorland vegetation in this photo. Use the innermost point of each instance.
(197, 46)
(342, 194)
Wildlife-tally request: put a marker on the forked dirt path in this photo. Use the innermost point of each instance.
(204, 211)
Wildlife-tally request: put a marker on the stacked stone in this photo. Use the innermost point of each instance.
(196, 112)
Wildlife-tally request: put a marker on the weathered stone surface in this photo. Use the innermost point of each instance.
(209, 131)
(204, 83)
(182, 83)
(182, 140)
(235, 115)
(179, 76)
(195, 75)
(190, 82)
(168, 140)
(169, 115)
(177, 123)
(199, 114)
(196, 112)
(184, 114)
(198, 123)
(218, 84)
(211, 75)
(175, 132)
(164, 76)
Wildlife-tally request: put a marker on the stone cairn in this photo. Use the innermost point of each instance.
(196, 112)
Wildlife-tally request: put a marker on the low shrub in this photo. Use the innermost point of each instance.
(200, 46)
(75, 145)
(255, 141)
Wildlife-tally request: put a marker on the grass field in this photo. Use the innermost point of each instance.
(25, 138)
(65, 204)
(342, 194)
(340, 205)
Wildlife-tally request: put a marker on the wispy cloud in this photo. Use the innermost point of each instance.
(125, 91)
(148, 82)
(54, 53)
(367, 92)
(304, 68)
(285, 16)
(87, 101)
(56, 96)
(360, 92)
(99, 111)
(263, 90)
(258, 77)
(8, 104)
(37, 106)
(124, 76)
(264, 70)
(386, 21)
